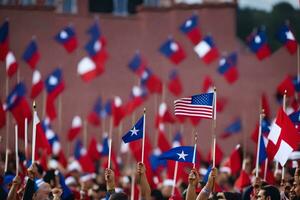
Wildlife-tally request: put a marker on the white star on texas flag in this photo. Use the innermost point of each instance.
(182, 155)
(134, 131)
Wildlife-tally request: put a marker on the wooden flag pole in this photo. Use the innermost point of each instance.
(16, 150)
(174, 178)
(33, 133)
(261, 115)
(284, 108)
(132, 186)
(110, 143)
(195, 149)
(266, 169)
(144, 135)
(26, 138)
(7, 128)
(214, 128)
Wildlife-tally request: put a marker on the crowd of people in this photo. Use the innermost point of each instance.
(58, 182)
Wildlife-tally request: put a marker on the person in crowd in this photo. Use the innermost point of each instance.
(268, 192)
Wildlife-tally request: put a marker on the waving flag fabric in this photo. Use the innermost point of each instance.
(173, 50)
(283, 138)
(118, 111)
(75, 128)
(288, 85)
(233, 128)
(180, 154)
(151, 81)
(37, 84)
(11, 64)
(94, 117)
(88, 70)
(16, 103)
(137, 97)
(54, 86)
(97, 52)
(191, 30)
(94, 31)
(228, 68)
(4, 40)
(207, 50)
(287, 38)
(67, 38)
(31, 54)
(83, 158)
(262, 151)
(174, 85)
(137, 64)
(196, 106)
(136, 132)
(257, 42)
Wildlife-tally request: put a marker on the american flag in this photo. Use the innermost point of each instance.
(196, 106)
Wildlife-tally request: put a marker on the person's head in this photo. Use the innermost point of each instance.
(118, 196)
(295, 190)
(43, 192)
(268, 192)
(156, 195)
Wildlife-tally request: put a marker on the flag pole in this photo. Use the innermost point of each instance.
(110, 143)
(261, 115)
(85, 133)
(195, 149)
(174, 178)
(214, 128)
(16, 150)
(284, 108)
(144, 134)
(33, 133)
(132, 186)
(266, 169)
(7, 128)
(26, 138)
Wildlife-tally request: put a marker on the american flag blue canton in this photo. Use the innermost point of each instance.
(203, 99)
(136, 132)
(180, 154)
(196, 106)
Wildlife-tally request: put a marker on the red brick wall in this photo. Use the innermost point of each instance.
(146, 31)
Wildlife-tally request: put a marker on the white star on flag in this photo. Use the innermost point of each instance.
(134, 131)
(182, 155)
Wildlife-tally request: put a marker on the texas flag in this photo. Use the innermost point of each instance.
(173, 50)
(174, 84)
(228, 68)
(67, 38)
(88, 70)
(137, 64)
(37, 84)
(283, 138)
(191, 30)
(151, 81)
(94, 30)
(94, 116)
(80, 153)
(31, 54)
(96, 50)
(180, 154)
(11, 64)
(287, 37)
(18, 105)
(75, 128)
(136, 132)
(234, 128)
(118, 111)
(257, 42)
(4, 40)
(137, 97)
(207, 50)
(54, 86)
